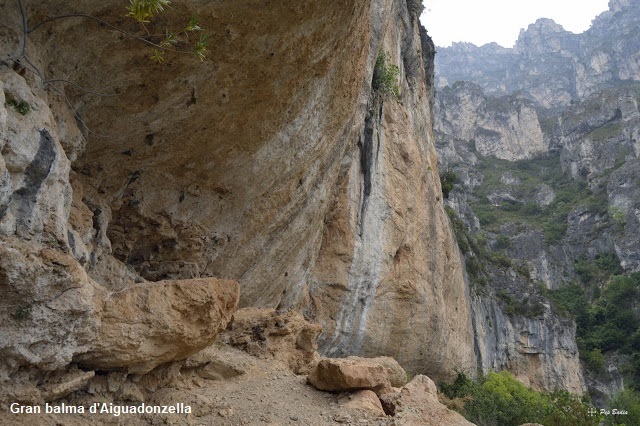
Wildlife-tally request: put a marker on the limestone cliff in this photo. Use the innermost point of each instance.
(506, 128)
(532, 226)
(272, 163)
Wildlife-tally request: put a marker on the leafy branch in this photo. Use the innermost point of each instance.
(139, 10)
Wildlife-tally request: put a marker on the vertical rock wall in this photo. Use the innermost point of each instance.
(540, 351)
(272, 163)
(388, 278)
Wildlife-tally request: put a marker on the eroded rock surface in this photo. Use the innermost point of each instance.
(265, 333)
(417, 404)
(506, 128)
(146, 325)
(352, 373)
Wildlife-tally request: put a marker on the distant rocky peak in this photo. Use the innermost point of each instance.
(619, 5)
(544, 35)
(545, 25)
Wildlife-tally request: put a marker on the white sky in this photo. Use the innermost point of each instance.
(484, 21)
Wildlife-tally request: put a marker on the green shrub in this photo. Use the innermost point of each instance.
(598, 270)
(532, 209)
(569, 409)
(486, 217)
(594, 360)
(21, 107)
(472, 267)
(617, 215)
(461, 387)
(385, 76)
(606, 132)
(415, 7)
(498, 399)
(501, 259)
(447, 181)
(629, 401)
(501, 400)
(571, 299)
(142, 10)
(554, 231)
(503, 242)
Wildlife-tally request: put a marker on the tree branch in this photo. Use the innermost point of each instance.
(113, 27)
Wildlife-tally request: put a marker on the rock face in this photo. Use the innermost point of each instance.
(273, 163)
(539, 350)
(506, 128)
(146, 325)
(525, 222)
(378, 285)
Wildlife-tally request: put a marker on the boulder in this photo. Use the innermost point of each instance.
(351, 373)
(149, 324)
(367, 401)
(417, 404)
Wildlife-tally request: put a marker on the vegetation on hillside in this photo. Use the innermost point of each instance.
(531, 175)
(607, 316)
(498, 399)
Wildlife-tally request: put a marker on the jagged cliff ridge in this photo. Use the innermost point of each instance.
(550, 214)
(272, 163)
(549, 64)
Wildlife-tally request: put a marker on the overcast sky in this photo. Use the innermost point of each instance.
(484, 21)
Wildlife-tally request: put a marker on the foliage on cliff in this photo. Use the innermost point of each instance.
(142, 11)
(522, 206)
(608, 322)
(499, 399)
(385, 76)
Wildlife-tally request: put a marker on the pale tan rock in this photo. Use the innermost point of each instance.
(265, 333)
(220, 360)
(72, 382)
(130, 392)
(365, 400)
(150, 324)
(418, 405)
(389, 400)
(343, 374)
(387, 278)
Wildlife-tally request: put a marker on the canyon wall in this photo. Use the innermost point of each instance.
(561, 215)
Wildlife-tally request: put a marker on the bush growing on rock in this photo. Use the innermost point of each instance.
(447, 181)
(385, 76)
